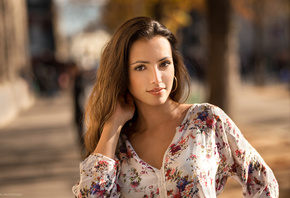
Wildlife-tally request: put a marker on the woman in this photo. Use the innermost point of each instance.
(143, 142)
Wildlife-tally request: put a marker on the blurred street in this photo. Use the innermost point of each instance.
(39, 151)
(40, 158)
(263, 116)
(52, 49)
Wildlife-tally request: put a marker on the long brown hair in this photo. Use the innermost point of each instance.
(112, 77)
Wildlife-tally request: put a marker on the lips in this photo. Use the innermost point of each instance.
(156, 91)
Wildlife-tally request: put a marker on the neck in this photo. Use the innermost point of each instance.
(150, 117)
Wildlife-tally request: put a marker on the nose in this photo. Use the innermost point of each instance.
(156, 76)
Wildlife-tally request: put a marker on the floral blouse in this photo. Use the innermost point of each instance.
(206, 149)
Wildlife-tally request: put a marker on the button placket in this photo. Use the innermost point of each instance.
(161, 178)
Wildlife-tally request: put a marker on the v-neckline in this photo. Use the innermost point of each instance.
(177, 132)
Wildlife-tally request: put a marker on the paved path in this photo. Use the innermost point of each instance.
(263, 116)
(39, 154)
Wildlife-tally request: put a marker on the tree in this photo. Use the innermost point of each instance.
(222, 74)
(13, 38)
(14, 61)
(116, 12)
(172, 13)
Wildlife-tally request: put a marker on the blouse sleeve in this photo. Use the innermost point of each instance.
(243, 162)
(98, 177)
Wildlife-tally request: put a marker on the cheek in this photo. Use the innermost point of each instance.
(169, 74)
(169, 78)
(134, 83)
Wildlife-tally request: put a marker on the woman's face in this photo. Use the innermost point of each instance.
(151, 70)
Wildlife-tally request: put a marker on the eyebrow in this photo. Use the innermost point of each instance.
(146, 62)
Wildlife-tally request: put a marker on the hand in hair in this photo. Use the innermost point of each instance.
(125, 109)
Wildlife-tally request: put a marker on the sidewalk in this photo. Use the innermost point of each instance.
(263, 116)
(39, 155)
(39, 151)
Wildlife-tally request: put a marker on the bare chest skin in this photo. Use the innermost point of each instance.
(152, 149)
(151, 146)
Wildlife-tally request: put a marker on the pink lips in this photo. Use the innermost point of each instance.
(156, 91)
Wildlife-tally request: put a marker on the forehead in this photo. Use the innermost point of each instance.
(150, 49)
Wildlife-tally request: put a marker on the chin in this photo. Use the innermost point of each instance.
(152, 102)
(157, 103)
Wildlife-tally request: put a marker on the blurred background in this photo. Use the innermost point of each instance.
(237, 53)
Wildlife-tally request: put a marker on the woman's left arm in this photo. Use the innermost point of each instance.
(245, 164)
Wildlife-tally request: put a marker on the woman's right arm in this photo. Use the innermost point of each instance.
(98, 173)
(98, 177)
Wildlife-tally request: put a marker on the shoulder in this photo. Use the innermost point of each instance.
(204, 107)
(205, 111)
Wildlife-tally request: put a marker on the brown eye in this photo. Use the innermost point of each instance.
(139, 68)
(165, 64)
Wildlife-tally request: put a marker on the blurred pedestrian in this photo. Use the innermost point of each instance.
(47, 70)
(78, 100)
(142, 141)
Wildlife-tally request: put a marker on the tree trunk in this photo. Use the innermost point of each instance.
(222, 69)
(15, 92)
(259, 50)
(2, 42)
(13, 39)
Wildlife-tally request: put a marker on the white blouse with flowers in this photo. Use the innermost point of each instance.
(206, 149)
